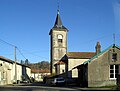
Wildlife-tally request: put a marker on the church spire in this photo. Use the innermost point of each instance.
(58, 23)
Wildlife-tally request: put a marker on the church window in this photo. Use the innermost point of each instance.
(60, 38)
(114, 71)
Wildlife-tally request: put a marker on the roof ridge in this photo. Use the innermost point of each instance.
(100, 53)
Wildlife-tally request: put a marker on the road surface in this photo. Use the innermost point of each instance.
(43, 87)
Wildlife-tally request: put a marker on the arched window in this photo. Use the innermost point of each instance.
(60, 38)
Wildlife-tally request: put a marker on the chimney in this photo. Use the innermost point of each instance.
(98, 48)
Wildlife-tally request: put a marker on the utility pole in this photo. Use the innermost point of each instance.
(15, 64)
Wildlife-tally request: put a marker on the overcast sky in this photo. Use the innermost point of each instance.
(26, 24)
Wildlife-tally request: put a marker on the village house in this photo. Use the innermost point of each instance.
(6, 67)
(101, 70)
(12, 72)
(38, 75)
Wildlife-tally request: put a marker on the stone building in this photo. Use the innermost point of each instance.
(102, 69)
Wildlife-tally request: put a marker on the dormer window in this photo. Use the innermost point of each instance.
(114, 56)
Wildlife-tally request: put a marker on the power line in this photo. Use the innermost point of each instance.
(7, 43)
(20, 50)
(100, 38)
(35, 55)
(14, 47)
(21, 53)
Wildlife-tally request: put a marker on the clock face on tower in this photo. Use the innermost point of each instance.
(60, 36)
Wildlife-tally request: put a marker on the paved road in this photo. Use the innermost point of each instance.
(43, 87)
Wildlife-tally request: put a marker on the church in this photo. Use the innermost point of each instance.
(91, 69)
(63, 61)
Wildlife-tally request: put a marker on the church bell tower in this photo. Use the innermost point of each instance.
(58, 42)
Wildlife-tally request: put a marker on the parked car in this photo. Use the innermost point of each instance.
(58, 81)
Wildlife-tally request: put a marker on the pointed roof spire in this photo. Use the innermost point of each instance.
(58, 7)
(58, 22)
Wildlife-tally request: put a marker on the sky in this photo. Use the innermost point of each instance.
(26, 25)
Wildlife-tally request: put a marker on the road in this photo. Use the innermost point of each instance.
(35, 88)
(43, 87)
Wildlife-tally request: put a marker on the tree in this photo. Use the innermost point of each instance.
(40, 65)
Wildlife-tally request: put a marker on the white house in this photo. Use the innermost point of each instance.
(39, 74)
(12, 72)
(6, 66)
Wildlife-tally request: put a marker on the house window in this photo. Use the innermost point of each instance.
(114, 56)
(114, 71)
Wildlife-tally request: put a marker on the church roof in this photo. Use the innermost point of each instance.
(80, 55)
(40, 71)
(60, 62)
(58, 23)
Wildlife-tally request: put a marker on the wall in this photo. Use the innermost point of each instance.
(5, 73)
(28, 71)
(62, 67)
(19, 72)
(58, 50)
(73, 63)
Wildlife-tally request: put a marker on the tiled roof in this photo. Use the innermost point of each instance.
(5, 59)
(11, 61)
(60, 62)
(40, 71)
(80, 55)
